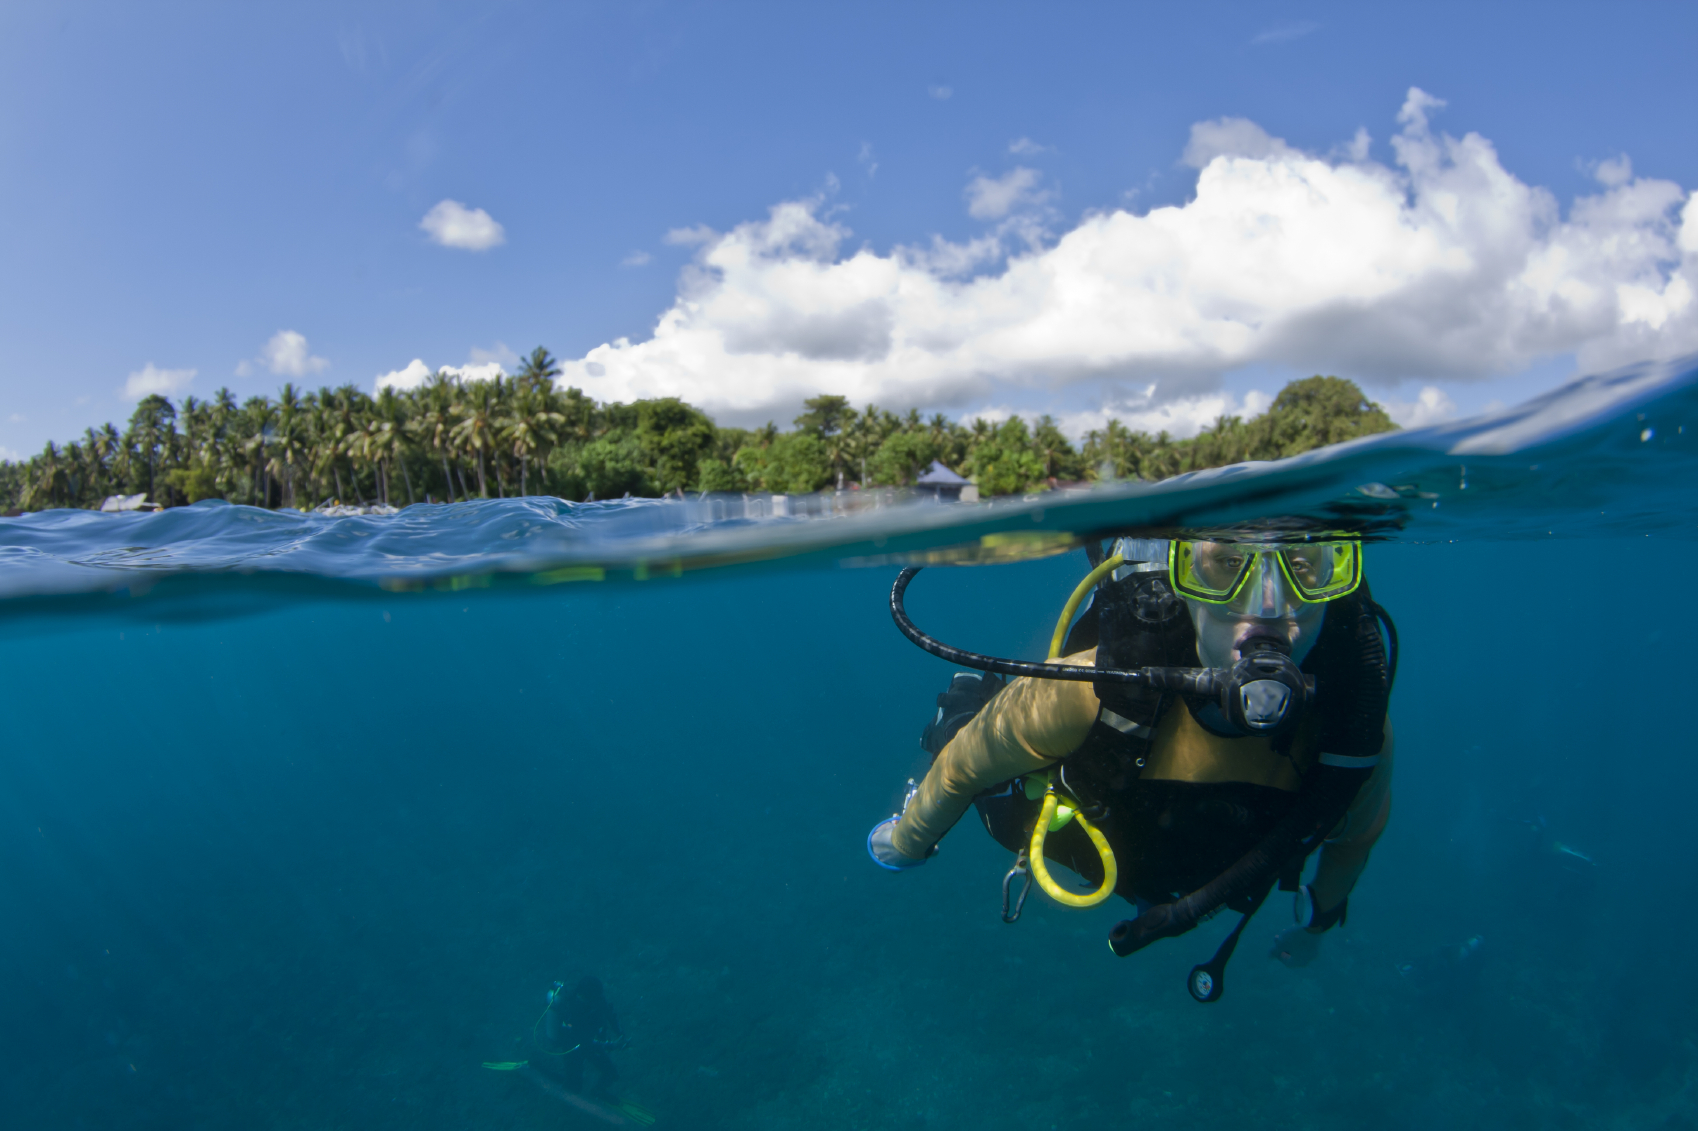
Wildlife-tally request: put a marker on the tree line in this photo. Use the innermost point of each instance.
(516, 435)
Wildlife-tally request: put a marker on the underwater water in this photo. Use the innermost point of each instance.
(300, 817)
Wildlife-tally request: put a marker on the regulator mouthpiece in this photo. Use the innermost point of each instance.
(1265, 693)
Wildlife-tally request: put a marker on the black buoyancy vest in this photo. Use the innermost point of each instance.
(1139, 621)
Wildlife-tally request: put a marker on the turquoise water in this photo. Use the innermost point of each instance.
(300, 817)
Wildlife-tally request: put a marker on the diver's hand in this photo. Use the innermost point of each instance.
(883, 852)
(1296, 946)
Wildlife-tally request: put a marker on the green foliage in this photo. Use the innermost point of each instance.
(826, 416)
(794, 463)
(903, 458)
(716, 475)
(447, 441)
(1307, 414)
(674, 438)
(1004, 462)
(1315, 412)
(194, 483)
(609, 468)
(1054, 452)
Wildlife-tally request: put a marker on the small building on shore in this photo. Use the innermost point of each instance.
(946, 485)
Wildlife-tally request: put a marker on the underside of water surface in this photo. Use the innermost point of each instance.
(301, 817)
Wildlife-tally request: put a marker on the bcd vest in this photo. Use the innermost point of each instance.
(1190, 846)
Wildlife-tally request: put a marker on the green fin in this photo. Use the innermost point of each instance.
(505, 1065)
(637, 1112)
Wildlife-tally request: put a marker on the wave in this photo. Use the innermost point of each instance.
(1605, 455)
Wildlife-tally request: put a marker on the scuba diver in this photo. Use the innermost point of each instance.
(1559, 872)
(1449, 972)
(580, 1029)
(1216, 715)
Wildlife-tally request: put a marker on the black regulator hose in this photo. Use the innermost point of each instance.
(1316, 810)
(1185, 681)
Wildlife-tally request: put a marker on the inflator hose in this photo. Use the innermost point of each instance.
(1041, 829)
(1102, 570)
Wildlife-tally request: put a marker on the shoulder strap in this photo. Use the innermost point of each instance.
(1135, 621)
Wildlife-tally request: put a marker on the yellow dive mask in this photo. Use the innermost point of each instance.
(1219, 572)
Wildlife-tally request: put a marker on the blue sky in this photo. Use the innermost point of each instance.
(968, 200)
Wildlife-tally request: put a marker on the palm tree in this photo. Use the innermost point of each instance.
(341, 437)
(152, 428)
(288, 444)
(98, 449)
(50, 483)
(222, 417)
(538, 369)
(258, 419)
(433, 424)
(476, 429)
(580, 412)
(531, 424)
(860, 439)
(390, 440)
(1163, 461)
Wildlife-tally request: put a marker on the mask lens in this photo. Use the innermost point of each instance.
(1209, 571)
(1323, 571)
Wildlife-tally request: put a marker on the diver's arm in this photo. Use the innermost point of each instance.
(1030, 725)
(1345, 853)
(1343, 856)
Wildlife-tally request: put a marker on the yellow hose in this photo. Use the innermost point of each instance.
(1041, 830)
(1040, 871)
(1109, 565)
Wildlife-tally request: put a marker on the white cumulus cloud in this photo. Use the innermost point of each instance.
(992, 198)
(475, 371)
(452, 224)
(1232, 137)
(1613, 171)
(409, 376)
(1441, 265)
(285, 355)
(150, 379)
(1432, 405)
(484, 366)
(1179, 418)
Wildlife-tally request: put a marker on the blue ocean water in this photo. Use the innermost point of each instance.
(300, 817)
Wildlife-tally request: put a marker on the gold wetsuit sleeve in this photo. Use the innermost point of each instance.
(1345, 853)
(1031, 724)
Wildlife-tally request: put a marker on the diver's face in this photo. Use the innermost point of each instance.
(1266, 606)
